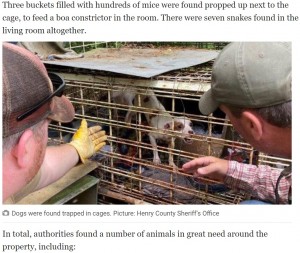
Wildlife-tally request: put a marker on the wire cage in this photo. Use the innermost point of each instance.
(126, 168)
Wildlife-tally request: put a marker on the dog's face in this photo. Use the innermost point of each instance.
(184, 126)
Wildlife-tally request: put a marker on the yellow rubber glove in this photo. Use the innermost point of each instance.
(87, 141)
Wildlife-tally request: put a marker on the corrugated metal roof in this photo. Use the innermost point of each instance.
(139, 62)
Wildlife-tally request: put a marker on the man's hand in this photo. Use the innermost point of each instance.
(87, 141)
(211, 167)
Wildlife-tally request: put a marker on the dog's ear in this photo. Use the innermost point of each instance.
(146, 99)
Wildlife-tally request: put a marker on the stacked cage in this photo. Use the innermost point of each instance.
(126, 169)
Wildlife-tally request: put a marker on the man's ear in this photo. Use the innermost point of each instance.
(24, 149)
(253, 124)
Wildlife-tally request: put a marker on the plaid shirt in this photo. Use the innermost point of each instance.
(260, 181)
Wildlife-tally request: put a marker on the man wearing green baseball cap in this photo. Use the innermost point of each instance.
(31, 98)
(251, 83)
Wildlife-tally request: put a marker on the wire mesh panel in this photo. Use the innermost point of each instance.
(145, 116)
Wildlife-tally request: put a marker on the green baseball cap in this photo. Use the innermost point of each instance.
(250, 75)
(28, 90)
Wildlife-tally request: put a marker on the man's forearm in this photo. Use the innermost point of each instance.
(58, 161)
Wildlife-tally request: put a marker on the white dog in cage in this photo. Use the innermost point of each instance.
(166, 127)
